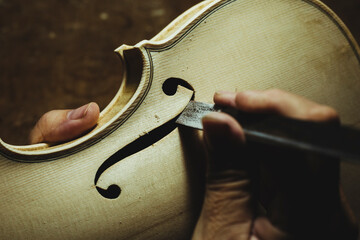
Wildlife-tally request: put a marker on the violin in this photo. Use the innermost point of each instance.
(137, 175)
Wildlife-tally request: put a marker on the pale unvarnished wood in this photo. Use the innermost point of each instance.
(298, 46)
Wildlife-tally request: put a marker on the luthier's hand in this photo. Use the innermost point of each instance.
(299, 192)
(64, 125)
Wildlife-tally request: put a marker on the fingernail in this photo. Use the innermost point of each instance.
(79, 112)
(225, 98)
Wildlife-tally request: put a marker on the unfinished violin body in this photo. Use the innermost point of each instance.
(138, 176)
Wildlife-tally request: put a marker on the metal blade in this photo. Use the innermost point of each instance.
(193, 114)
(322, 138)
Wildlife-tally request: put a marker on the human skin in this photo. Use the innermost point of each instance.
(300, 193)
(64, 125)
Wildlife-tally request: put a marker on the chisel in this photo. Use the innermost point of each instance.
(328, 139)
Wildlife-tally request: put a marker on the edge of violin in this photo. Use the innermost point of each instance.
(166, 37)
(114, 115)
(171, 32)
(178, 26)
(187, 19)
(338, 20)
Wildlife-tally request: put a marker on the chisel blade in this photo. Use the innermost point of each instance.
(328, 139)
(193, 114)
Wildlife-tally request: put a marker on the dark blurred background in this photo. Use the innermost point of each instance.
(59, 54)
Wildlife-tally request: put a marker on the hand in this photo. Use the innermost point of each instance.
(63, 125)
(232, 191)
(299, 192)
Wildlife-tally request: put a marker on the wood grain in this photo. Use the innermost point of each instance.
(299, 46)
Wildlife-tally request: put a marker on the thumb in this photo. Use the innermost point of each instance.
(64, 125)
(227, 209)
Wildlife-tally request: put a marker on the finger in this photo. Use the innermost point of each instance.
(64, 125)
(263, 229)
(292, 186)
(223, 134)
(285, 104)
(227, 209)
(278, 102)
(225, 98)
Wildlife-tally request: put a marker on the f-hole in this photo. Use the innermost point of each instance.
(170, 86)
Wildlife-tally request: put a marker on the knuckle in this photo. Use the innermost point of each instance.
(241, 97)
(244, 101)
(275, 98)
